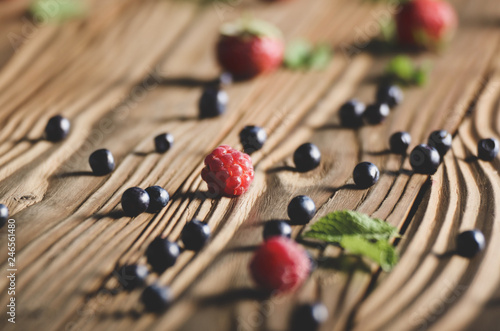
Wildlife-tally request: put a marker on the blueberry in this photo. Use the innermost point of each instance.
(301, 209)
(376, 113)
(312, 261)
(195, 235)
(162, 254)
(399, 142)
(425, 159)
(163, 142)
(156, 298)
(366, 174)
(252, 138)
(487, 149)
(277, 228)
(224, 79)
(213, 102)
(440, 140)
(470, 243)
(158, 198)
(133, 276)
(102, 162)
(351, 113)
(57, 128)
(4, 215)
(309, 317)
(390, 95)
(135, 201)
(307, 157)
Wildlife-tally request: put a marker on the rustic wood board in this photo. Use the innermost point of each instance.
(117, 74)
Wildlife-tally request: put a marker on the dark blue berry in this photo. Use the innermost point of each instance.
(224, 79)
(102, 162)
(487, 149)
(309, 317)
(307, 157)
(4, 215)
(440, 140)
(162, 254)
(351, 113)
(135, 201)
(156, 298)
(57, 128)
(425, 159)
(195, 235)
(252, 138)
(312, 261)
(470, 243)
(213, 102)
(399, 142)
(133, 276)
(376, 113)
(366, 174)
(390, 95)
(301, 209)
(158, 198)
(277, 228)
(164, 142)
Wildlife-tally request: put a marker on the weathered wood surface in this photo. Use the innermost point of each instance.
(116, 74)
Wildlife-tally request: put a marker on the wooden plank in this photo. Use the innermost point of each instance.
(120, 97)
(431, 289)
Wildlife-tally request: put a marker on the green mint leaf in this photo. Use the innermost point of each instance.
(297, 54)
(303, 55)
(420, 77)
(334, 226)
(402, 68)
(320, 57)
(57, 11)
(381, 252)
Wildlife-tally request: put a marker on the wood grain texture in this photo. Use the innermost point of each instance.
(120, 75)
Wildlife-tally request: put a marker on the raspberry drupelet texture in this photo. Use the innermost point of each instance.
(280, 265)
(228, 171)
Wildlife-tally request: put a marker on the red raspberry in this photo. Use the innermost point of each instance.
(247, 48)
(228, 171)
(426, 23)
(280, 264)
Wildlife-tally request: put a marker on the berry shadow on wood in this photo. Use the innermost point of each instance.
(115, 214)
(185, 81)
(470, 159)
(281, 169)
(76, 174)
(144, 154)
(197, 195)
(241, 249)
(378, 48)
(29, 140)
(379, 153)
(445, 255)
(120, 315)
(331, 126)
(178, 118)
(343, 187)
(404, 172)
(232, 296)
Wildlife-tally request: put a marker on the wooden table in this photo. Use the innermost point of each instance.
(132, 69)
